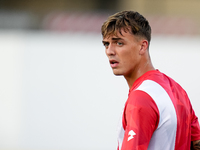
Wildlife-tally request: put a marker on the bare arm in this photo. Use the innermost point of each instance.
(196, 145)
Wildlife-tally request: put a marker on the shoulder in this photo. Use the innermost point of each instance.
(141, 110)
(141, 101)
(139, 97)
(145, 93)
(150, 95)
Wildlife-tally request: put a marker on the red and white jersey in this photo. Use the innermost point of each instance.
(157, 116)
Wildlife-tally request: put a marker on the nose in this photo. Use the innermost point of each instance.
(110, 50)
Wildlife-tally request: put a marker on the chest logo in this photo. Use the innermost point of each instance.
(131, 133)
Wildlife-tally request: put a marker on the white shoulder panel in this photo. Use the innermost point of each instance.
(165, 134)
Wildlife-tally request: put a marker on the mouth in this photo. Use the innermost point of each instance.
(113, 63)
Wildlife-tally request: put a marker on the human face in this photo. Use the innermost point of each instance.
(123, 52)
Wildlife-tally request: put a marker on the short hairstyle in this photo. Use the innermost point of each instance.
(130, 21)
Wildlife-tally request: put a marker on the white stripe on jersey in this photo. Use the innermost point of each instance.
(164, 136)
(120, 132)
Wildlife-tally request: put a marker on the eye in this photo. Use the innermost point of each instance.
(119, 43)
(106, 44)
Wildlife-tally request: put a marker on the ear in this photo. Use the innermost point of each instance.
(144, 46)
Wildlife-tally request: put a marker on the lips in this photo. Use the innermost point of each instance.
(114, 63)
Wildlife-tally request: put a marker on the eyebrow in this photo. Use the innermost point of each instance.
(104, 42)
(113, 39)
(116, 39)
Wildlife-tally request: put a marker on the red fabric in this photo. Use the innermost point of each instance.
(141, 114)
(143, 120)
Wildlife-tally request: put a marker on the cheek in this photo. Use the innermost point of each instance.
(127, 59)
(129, 55)
(130, 60)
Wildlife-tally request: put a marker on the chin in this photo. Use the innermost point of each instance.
(117, 73)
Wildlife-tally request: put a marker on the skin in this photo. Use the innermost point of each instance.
(130, 54)
(196, 145)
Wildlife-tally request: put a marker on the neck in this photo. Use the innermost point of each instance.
(138, 73)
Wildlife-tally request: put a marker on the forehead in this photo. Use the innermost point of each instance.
(123, 34)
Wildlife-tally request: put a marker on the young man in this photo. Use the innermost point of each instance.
(158, 114)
